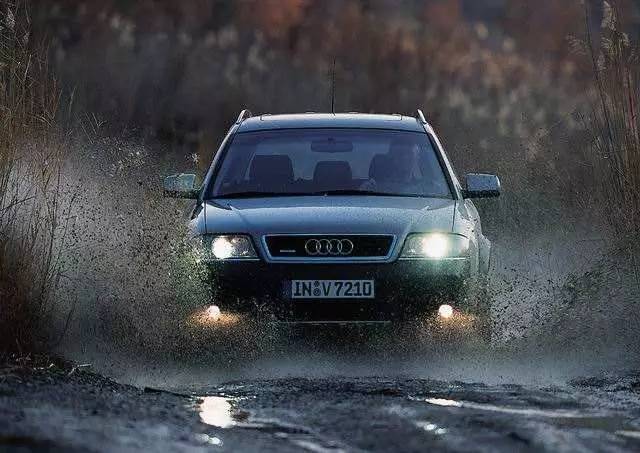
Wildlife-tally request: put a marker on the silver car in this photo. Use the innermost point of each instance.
(340, 218)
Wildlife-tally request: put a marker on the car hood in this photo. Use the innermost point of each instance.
(328, 215)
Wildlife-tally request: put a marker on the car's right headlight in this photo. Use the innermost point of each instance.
(435, 246)
(225, 247)
(236, 247)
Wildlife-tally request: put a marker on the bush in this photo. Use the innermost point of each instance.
(31, 158)
(614, 123)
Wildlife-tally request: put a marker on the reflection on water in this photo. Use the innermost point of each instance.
(616, 424)
(210, 440)
(553, 413)
(431, 427)
(443, 402)
(216, 411)
(631, 434)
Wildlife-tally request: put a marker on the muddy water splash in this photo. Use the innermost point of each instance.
(135, 297)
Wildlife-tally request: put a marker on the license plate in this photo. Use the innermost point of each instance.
(332, 289)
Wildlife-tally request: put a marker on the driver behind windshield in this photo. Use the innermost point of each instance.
(402, 170)
(316, 162)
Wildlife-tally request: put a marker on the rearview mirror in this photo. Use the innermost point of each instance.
(180, 186)
(331, 145)
(481, 186)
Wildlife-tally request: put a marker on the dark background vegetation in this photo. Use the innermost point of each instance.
(501, 80)
(543, 93)
(181, 71)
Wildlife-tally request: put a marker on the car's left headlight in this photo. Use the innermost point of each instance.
(224, 247)
(435, 246)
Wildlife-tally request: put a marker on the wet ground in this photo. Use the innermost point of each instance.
(66, 409)
(414, 415)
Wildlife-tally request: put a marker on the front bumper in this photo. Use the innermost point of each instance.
(402, 288)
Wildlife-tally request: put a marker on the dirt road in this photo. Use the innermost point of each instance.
(54, 409)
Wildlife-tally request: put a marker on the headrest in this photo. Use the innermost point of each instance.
(380, 167)
(332, 171)
(402, 147)
(273, 170)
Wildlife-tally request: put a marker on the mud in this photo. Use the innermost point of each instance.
(561, 373)
(59, 409)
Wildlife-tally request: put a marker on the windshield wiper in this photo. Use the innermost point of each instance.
(258, 194)
(363, 192)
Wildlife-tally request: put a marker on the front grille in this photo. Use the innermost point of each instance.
(338, 246)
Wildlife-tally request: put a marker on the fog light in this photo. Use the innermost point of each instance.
(213, 312)
(445, 311)
(222, 248)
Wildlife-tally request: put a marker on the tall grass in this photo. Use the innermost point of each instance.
(614, 122)
(31, 158)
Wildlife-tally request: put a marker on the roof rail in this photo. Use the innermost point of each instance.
(420, 117)
(243, 116)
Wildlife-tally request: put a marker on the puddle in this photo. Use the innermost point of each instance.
(216, 411)
(439, 402)
(308, 445)
(616, 424)
(210, 440)
(431, 427)
(530, 412)
(410, 413)
(631, 434)
(219, 412)
(604, 423)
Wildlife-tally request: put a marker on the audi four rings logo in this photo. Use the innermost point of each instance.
(324, 247)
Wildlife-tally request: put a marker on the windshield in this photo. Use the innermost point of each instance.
(330, 162)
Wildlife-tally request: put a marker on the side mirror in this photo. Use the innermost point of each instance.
(481, 186)
(180, 186)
